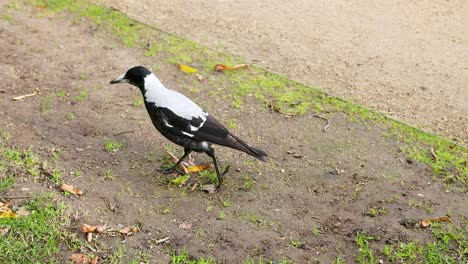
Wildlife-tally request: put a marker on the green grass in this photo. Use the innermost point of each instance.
(45, 104)
(38, 237)
(6, 183)
(449, 245)
(109, 175)
(365, 254)
(261, 261)
(35, 238)
(112, 146)
(288, 96)
(8, 18)
(16, 162)
(184, 258)
(209, 175)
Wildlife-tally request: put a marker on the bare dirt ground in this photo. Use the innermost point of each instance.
(315, 179)
(404, 58)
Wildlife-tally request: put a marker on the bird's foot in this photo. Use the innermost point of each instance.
(220, 178)
(226, 170)
(171, 170)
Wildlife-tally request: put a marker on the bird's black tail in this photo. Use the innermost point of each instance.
(237, 143)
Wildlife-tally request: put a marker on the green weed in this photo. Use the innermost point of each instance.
(137, 102)
(81, 96)
(112, 146)
(315, 230)
(83, 76)
(376, 211)
(5, 135)
(71, 116)
(109, 175)
(232, 124)
(296, 243)
(61, 94)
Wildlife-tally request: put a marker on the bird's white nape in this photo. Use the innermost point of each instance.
(153, 88)
(155, 92)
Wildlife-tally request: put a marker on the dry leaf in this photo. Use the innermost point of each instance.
(4, 230)
(79, 259)
(6, 212)
(425, 223)
(185, 226)
(71, 189)
(124, 230)
(88, 229)
(208, 188)
(181, 179)
(95, 260)
(101, 229)
(21, 212)
(197, 168)
(187, 69)
(9, 214)
(222, 67)
(40, 7)
(128, 230)
(4, 206)
(428, 222)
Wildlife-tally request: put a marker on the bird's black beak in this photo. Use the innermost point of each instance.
(120, 79)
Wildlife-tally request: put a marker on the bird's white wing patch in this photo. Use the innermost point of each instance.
(187, 134)
(167, 124)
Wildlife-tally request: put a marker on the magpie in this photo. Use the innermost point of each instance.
(182, 121)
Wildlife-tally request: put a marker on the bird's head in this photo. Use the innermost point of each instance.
(135, 76)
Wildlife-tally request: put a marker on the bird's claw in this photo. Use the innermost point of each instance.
(171, 170)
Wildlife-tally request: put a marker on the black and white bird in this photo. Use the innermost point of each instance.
(182, 121)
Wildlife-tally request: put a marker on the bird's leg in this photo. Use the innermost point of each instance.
(218, 175)
(176, 166)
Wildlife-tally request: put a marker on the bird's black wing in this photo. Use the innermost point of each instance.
(196, 129)
(213, 132)
(209, 130)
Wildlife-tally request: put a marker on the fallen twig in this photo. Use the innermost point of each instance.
(123, 132)
(194, 186)
(274, 108)
(21, 97)
(433, 154)
(15, 197)
(326, 119)
(159, 241)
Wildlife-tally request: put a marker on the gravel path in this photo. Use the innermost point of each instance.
(405, 58)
